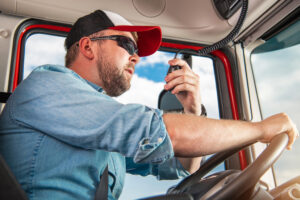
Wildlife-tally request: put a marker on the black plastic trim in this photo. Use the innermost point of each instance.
(283, 24)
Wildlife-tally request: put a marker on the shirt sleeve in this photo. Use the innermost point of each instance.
(169, 170)
(67, 108)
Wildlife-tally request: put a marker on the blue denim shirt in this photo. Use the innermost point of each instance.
(58, 132)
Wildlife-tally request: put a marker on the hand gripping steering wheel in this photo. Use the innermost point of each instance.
(246, 179)
(237, 186)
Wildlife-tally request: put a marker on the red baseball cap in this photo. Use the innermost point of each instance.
(149, 37)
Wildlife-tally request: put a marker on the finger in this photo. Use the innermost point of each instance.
(180, 62)
(181, 72)
(185, 87)
(187, 79)
(182, 76)
(291, 141)
(293, 134)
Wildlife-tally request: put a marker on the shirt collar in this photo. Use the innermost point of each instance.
(96, 87)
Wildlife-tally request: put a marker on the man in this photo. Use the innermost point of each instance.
(60, 128)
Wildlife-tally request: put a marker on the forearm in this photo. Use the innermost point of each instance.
(194, 136)
(190, 164)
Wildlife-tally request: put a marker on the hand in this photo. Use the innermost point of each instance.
(277, 124)
(186, 86)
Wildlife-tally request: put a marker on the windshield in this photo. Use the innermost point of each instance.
(277, 76)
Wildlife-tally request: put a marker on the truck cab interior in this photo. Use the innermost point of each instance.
(245, 52)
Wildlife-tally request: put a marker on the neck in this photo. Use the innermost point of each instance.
(87, 71)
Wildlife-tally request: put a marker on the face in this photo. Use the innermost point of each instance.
(115, 65)
(115, 78)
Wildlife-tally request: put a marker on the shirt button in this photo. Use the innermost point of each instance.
(159, 140)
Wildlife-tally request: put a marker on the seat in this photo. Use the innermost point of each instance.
(4, 96)
(9, 186)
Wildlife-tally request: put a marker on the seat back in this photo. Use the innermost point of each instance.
(9, 186)
(4, 96)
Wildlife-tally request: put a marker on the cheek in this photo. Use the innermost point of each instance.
(120, 61)
(115, 56)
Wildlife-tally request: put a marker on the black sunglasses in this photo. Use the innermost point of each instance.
(122, 41)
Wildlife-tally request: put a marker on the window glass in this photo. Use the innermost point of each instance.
(43, 49)
(277, 75)
(147, 83)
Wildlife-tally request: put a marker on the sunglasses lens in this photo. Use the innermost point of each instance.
(128, 45)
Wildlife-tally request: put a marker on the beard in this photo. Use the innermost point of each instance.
(113, 78)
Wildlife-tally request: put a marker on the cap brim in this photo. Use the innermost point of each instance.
(149, 37)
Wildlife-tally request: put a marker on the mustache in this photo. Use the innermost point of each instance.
(130, 66)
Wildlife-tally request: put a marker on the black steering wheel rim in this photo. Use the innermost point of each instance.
(251, 175)
(209, 164)
(247, 178)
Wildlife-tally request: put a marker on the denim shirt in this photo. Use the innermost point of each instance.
(58, 132)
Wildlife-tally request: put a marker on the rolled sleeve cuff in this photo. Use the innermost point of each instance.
(158, 147)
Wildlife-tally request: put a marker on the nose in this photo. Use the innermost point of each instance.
(134, 59)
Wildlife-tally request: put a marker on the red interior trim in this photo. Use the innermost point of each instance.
(231, 91)
(19, 47)
(219, 54)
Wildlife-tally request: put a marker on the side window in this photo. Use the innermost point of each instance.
(276, 69)
(43, 49)
(147, 83)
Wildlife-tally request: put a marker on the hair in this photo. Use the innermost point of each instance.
(135, 36)
(72, 52)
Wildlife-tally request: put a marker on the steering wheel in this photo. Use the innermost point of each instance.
(246, 179)
(241, 182)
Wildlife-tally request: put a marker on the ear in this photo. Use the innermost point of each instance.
(85, 47)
